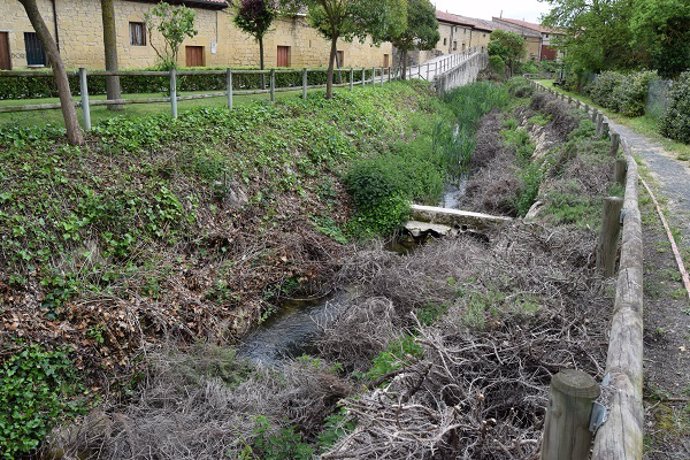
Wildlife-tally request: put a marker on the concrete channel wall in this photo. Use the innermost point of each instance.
(462, 74)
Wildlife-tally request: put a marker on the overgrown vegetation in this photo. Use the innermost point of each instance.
(675, 124)
(625, 93)
(189, 228)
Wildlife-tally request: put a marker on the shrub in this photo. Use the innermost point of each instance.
(631, 94)
(35, 387)
(676, 122)
(519, 87)
(602, 89)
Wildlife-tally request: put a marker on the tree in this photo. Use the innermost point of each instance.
(509, 46)
(112, 84)
(421, 31)
(661, 29)
(175, 23)
(350, 19)
(255, 18)
(69, 114)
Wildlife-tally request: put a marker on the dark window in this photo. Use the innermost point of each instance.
(445, 41)
(137, 34)
(35, 55)
(455, 46)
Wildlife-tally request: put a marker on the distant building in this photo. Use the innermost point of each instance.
(77, 27)
(547, 52)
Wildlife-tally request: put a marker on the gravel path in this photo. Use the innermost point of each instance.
(666, 312)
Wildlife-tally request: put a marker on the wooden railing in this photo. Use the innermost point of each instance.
(620, 437)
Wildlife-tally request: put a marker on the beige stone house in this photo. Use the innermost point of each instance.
(546, 50)
(77, 28)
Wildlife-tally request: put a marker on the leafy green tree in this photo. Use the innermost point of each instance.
(174, 23)
(255, 17)
(661, 31)
(509, 46)
(350, 19)
(421, 31)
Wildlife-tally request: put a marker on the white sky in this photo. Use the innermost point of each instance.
(528, 10)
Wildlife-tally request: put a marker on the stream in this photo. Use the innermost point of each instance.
(292, 331)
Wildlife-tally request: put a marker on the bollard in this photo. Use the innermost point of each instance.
(228, 84)
(615, 143)
(84, 91)
(173, 92)
(566, 429)
(607, 247)
(620, 170)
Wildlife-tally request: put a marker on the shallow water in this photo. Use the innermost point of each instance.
(454, 193)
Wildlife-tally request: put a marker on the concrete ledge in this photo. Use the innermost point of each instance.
(456, 217)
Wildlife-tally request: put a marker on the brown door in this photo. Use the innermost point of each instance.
(283, 56)
(341, 59)
(386, 61)
(194, 56)
(5, 61)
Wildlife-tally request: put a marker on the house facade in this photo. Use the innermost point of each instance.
(546, 51)
(77, 27)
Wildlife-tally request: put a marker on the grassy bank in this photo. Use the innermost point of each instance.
(187, 229)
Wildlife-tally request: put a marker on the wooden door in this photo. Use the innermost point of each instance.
(194, 56)
(283, 56)
(386, 61)
(5, 61)
(341, 59)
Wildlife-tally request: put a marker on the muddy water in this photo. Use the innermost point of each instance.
(292, 332)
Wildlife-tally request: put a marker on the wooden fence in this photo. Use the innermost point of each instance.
(621, 434)
(353, 77)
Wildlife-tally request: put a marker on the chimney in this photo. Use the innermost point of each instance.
(501, 16)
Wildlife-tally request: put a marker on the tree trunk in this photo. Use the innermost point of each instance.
(261, 62)
(74, 133)
(331, 64)
(112, 84)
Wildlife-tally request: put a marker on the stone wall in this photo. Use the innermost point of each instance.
(80, 34)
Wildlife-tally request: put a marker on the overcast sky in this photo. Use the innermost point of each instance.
(529, 10)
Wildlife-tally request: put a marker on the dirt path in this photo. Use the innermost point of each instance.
(667, 312)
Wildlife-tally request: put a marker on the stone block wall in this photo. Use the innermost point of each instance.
(80, 33)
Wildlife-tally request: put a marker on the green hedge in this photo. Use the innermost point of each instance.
(42, 86)
(676, 122)
(622, 93)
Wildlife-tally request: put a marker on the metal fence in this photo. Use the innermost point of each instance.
(352, 77)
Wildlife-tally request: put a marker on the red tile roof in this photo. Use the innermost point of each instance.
(529, 25)
(452, 18)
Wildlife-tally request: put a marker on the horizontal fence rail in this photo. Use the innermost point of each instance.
(234, 82)
(620, 434)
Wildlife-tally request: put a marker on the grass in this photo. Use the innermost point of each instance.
(645, 125)
(101, 113)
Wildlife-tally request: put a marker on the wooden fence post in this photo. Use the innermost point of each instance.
(605, 130)
(173, 92)
(615, 143)
(305, 82)
(428, 71)
(84, 91)
(607, 247)
(383, 76)
(364, 76)
(566, 430)
(620, 170)
(273, 85)
(600, 124)
(373, 76)
(390, 74)
(352, 78)
(228, 82)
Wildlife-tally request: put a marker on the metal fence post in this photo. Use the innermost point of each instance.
(428, 73)
(305, 82)
(84, 91)
(228, 81)
(173, 92)
(273, 85)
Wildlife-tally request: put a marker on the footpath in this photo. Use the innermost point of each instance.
(666, 306)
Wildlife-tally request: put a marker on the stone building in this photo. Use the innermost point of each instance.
(77, 28)
(546, 50)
